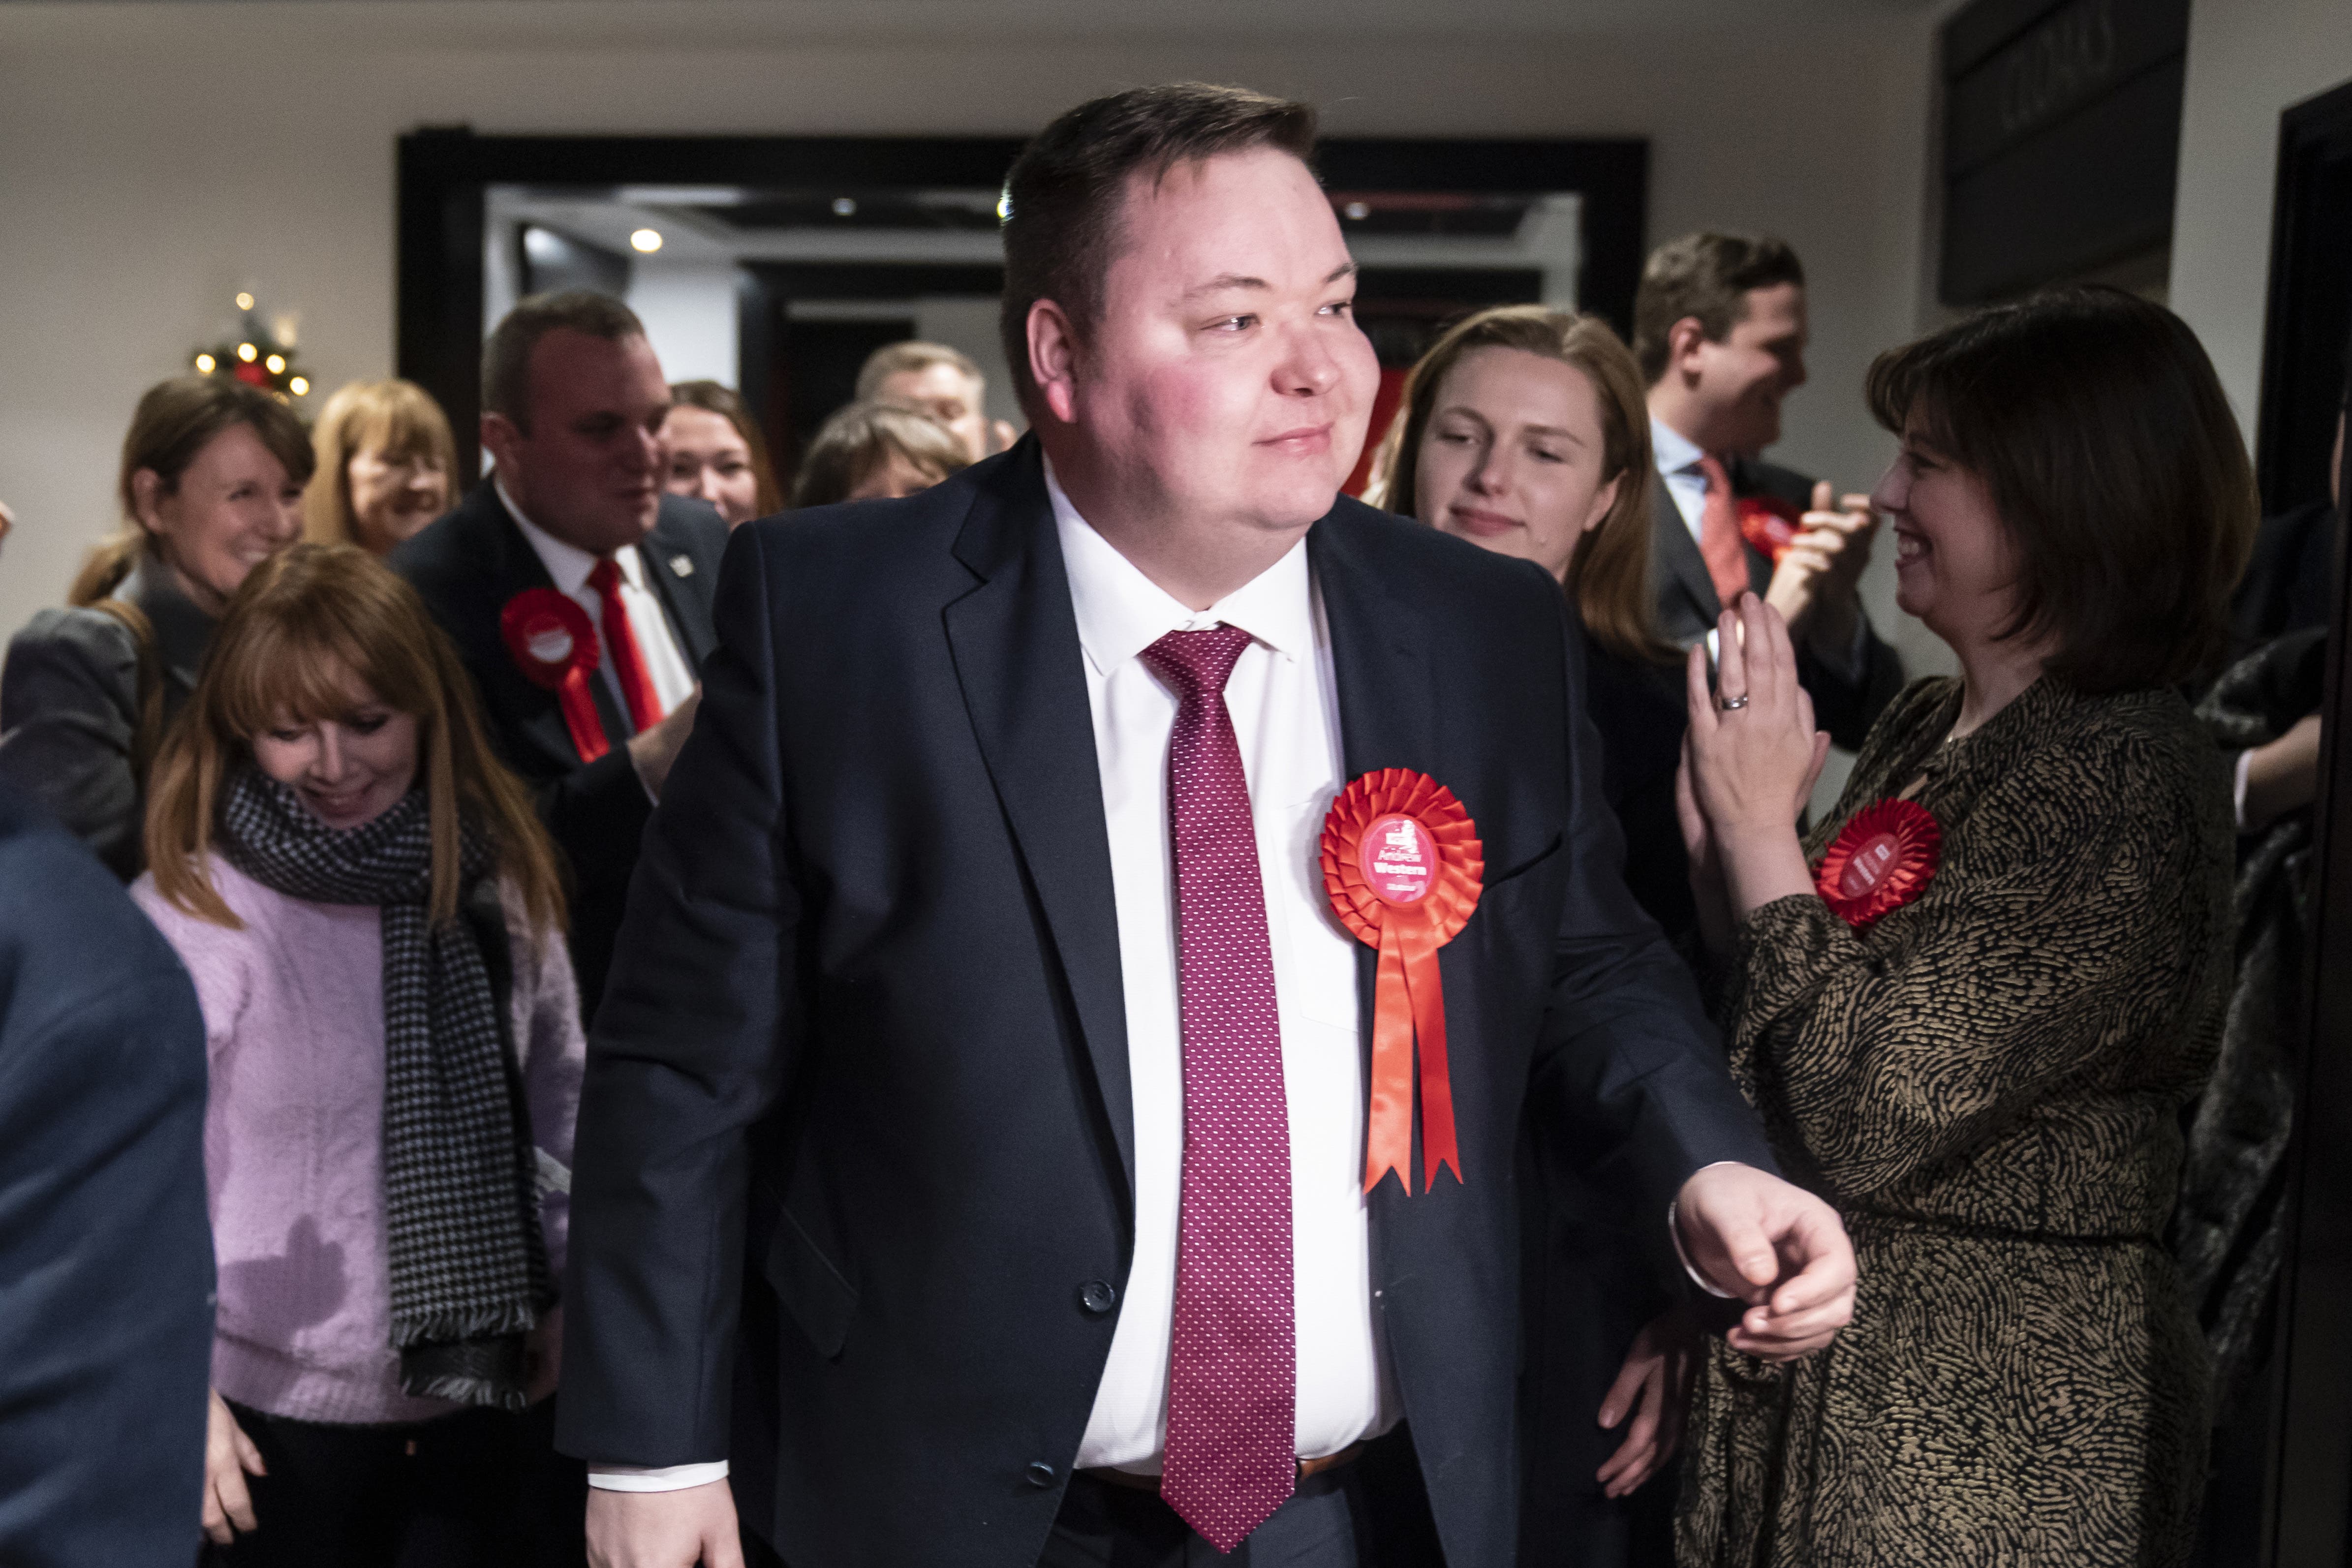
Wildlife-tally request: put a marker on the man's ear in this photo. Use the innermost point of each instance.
(504, 438)
(1683, 341)
(1053, 359)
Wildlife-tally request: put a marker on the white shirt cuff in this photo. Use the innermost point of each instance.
(2238, 787)
(672, 1478)
(1675, 1232)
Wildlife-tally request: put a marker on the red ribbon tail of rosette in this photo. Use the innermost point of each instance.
(553, 642)
(1401, 864)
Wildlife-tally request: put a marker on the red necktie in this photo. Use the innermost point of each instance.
(628, 664)
(1232, 1376)
(1719, 541)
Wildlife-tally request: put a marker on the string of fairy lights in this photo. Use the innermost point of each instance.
(258, 354)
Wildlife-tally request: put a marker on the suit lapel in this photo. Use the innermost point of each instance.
(1676, 557)
(1380, 661)
(1014, 639)
(689, 611)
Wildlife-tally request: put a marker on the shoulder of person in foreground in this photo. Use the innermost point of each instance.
(63, 653)
(68, 717)
(105, 1347)
(858, 557)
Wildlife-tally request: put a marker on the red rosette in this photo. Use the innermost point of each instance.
(1402, 864)
(1883, 860)
(553, 644)
(1770, 524)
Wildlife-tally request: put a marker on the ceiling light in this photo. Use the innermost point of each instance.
(646, 240)
(243, 301)
(1357, 210)
(843, 206)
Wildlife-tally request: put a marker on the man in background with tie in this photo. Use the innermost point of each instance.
(972, 1161)
(573, 403)
(1719, 331)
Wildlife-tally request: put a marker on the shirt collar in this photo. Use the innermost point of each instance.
(1676, 452)
(568, 565)
(1121, 613)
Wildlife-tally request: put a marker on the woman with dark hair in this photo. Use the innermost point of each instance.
(371, 916)
(1523, 431)
(211, 485)
(1972, 1002)
(717, 454)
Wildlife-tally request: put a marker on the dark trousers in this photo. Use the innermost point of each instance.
(1369, 1513)
(479, 1488)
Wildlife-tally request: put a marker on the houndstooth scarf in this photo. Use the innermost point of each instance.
(470, 1272)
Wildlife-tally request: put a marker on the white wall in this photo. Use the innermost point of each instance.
(2248, 59)
(153, 158)
(688, 309)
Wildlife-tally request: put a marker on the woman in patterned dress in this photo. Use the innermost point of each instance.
(1986, 1077)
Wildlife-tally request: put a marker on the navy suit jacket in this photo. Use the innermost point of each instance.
(865, 1044)
(106, 1250)
(466, 566)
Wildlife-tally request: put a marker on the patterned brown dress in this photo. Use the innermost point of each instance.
(1987, 1084)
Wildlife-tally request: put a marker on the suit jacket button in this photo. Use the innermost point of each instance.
(1098, 1296)
(1039, 1474)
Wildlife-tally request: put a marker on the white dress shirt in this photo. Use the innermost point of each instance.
(1283, 701)
(1678, 457)
(568, 567)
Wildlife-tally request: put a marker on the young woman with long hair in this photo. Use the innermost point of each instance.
(371, 916)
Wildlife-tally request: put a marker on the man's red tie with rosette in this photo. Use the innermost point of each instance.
(552, 641)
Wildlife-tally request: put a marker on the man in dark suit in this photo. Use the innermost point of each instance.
(980, 968)
(106, 1254)
(574, 400)
(1719, 331)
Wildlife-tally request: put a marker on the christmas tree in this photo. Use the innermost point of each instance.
(256, 354)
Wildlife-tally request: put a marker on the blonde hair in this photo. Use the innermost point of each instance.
(858, 438)
(400, 417)
(307, 621)
(1608, 575)
(914, 354)
(174, 421)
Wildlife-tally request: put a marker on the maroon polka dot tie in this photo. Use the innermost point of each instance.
(1233, 1388)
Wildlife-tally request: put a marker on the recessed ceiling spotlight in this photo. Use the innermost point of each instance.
(646, 240)
(1358, 211)
(844, 207)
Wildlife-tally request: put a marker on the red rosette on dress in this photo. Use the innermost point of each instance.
(1402, 863)
(1882, 860)
(553, 644)
(1770, 524)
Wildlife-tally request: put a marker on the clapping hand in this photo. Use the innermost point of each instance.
(1751, 758)
(1815, 582)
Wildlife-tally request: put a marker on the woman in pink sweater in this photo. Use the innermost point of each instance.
(371, 916)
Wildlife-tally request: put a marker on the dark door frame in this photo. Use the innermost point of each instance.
(2307, 1512)
(444, 174)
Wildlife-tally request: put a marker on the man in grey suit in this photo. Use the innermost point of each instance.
(1719, 330)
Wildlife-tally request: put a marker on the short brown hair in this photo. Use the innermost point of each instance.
(400, 415)
(506, 358)
(1608, 575)
(1063, 198)
(727, 405)
(2101, 434)
(1707, 276)
(914, 354)
(302, 619)
(849, 444)
(174, 421)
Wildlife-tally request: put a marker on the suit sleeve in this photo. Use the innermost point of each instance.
(106, 1264)
(1847, 702)
(691, 1046)
(68, 701)
(1629, 1074)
